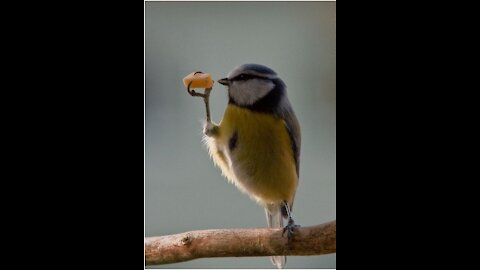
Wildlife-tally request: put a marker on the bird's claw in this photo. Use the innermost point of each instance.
(290, 229)
(193, 93)
(205, 96)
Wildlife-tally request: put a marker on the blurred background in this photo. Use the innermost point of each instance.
(183, 190)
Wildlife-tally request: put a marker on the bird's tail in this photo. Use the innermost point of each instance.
(275, 220)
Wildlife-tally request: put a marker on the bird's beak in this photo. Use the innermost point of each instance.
(224, 81)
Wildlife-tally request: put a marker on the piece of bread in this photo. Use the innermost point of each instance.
(198, 80)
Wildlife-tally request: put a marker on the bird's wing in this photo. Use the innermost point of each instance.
(293, 128)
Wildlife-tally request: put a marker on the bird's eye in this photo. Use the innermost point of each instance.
(243, 77)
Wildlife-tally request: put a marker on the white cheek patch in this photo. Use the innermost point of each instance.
(248, 92)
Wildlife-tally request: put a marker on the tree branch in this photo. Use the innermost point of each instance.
(315, 240)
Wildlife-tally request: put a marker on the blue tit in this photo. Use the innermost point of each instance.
(257, 143)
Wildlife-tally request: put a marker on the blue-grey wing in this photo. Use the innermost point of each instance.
(293, 128)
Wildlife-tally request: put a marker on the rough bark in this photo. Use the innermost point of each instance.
(314, 240)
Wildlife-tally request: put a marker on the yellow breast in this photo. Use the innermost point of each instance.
(254, 150)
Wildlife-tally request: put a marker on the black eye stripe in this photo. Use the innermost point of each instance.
(244, 77)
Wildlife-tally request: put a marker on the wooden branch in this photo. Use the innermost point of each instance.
(315, 240)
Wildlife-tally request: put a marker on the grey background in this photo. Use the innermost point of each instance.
(183, 190)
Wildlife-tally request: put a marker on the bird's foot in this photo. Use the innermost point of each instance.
(290, 228)
(193, 93)
(205, 96)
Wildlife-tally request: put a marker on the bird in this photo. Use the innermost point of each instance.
(257, 143)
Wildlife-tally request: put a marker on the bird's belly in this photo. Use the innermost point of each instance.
(261, 157)
(268, 178)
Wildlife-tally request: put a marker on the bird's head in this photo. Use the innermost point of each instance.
(250, 84)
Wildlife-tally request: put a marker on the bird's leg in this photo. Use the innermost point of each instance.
(205, 96)
(207, 104)
(291, 226)
(210, 128)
